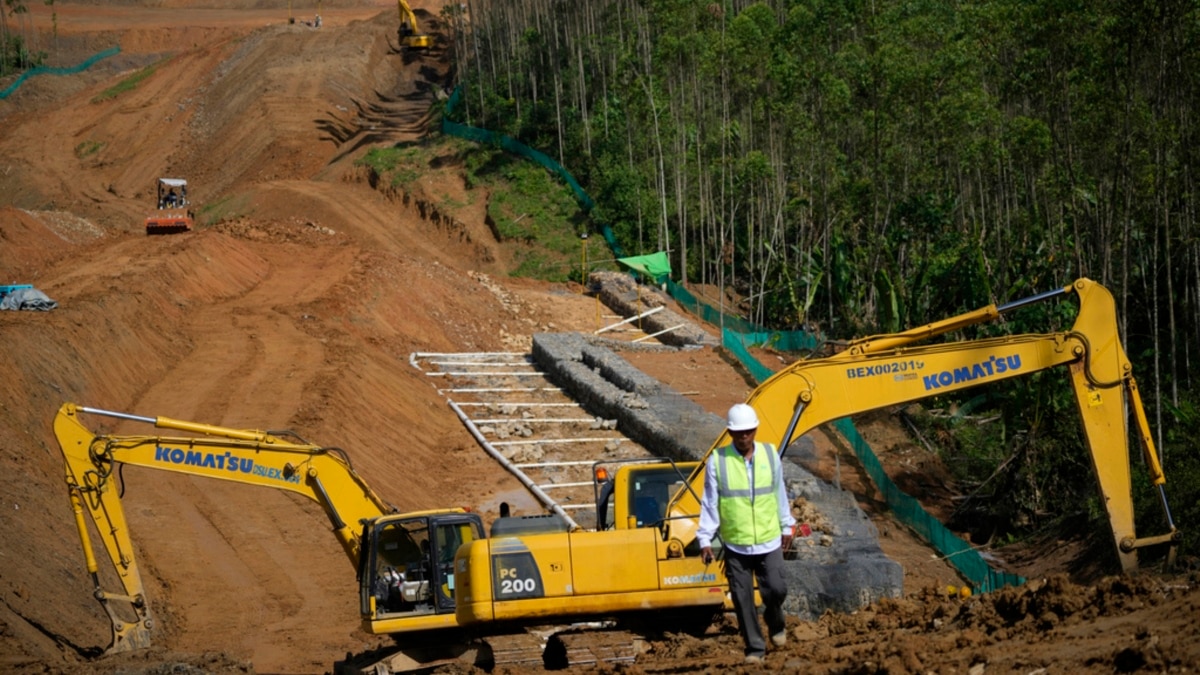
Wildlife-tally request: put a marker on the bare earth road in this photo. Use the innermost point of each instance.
(300, 310)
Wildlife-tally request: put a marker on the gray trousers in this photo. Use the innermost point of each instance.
(741, 570)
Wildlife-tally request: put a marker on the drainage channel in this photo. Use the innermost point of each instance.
(528, 425)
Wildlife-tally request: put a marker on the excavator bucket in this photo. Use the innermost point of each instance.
(165, 222)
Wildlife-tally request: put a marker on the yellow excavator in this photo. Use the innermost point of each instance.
(405, 560)
(432, 573)
(410, 33)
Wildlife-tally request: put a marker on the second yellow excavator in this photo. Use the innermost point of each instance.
(410, 33)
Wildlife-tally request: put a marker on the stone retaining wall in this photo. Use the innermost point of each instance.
(841, 569)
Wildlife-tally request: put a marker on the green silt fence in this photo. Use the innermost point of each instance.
(909, 511)
(49, 70)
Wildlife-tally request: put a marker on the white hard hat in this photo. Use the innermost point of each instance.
(742, 418)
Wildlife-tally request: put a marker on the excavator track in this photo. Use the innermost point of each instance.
(535, 648)
(559, 647)
(584, 647)
(517, 650)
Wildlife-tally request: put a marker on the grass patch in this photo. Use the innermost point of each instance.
(88, 148)
(532, 214)
(402, 166)
(399, 167)
(531, 209)
(448, 202)
(128, 84)
(229, 208)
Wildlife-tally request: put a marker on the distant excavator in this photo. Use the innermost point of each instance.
(172, 214)
(410, 33)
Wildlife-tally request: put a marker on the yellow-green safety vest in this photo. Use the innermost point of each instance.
(749, 514)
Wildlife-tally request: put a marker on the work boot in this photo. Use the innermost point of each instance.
(779, 639)
(753, 659)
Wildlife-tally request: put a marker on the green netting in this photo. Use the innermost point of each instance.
(613, 244)
(50, 70)
(738, 335)
(710, 314)
(783, 340)
(455, 97)
(751, 333)
(735, 342)
(956, 551)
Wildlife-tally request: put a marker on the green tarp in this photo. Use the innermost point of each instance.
(657, 266)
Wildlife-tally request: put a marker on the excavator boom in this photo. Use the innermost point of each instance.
(879, 371)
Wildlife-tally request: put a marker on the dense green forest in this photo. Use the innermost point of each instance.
(854, 167)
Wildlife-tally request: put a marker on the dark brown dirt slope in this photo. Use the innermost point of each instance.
(299, 310)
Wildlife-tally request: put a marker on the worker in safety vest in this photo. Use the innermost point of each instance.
(744, 499)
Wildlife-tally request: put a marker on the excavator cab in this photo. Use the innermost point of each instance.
(407, 565)
(635, 493)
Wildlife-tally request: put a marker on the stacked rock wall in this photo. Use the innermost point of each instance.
(839, 567)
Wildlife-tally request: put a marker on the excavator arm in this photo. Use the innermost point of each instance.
(245, 456)
(879, 371)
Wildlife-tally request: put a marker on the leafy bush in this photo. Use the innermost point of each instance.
(401, 166)
(1019, 452)
(14, 55)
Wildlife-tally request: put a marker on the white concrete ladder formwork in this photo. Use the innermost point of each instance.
(529, 426)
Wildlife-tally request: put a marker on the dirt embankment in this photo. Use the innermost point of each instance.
(299, 311)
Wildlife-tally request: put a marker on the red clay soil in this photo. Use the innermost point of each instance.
(299, 310)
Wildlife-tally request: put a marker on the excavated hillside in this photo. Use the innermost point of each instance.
(298, 309)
